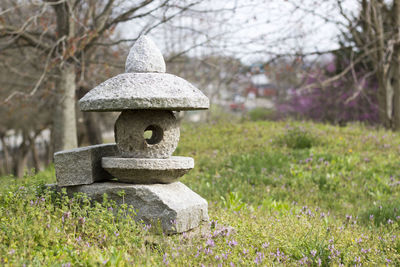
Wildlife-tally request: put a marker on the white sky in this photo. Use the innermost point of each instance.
(257, 28)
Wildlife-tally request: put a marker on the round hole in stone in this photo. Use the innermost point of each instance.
(153, 134)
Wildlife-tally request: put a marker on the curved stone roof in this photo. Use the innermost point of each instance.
(144, 85)
(144, 91)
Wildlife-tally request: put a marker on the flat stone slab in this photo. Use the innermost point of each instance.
(147, 171)
(144, 91)
(174, 206)
(82, 165)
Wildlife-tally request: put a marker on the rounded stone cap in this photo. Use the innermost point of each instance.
(145, 56)
(144, 91)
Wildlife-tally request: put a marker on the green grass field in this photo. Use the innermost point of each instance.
(286, 193)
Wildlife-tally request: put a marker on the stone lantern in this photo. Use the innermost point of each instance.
(146, 134)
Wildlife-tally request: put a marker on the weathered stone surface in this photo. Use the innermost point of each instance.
(176, 207)
(132, 124)
(82, 165)
(145, 56)
(147, 171)
(144, 91)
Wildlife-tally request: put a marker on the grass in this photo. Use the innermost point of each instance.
(279, 193)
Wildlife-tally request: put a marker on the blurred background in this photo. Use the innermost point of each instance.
(332, 61)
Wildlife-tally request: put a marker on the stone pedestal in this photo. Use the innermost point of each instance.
(173, 206)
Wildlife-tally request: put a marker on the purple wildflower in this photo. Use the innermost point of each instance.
(313, 252)
(208, 251)
(259, 258)
(210, 243)
(365, 251)
(232, 243)
(165, 261)
(185, 235)
(65, 215)
(303, 261)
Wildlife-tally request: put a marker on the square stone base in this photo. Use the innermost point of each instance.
(174, 206)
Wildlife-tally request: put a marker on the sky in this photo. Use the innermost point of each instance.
(255, 31)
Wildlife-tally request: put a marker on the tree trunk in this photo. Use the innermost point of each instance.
(389, 99)
(64, 118)
(20, 158)
(93, 130)
(35, 155)
(372, 39)
(20, 164)
(385, 95)
(396, 67)
(49, 152)
(396, 101)
(89, 131)
(6, 156)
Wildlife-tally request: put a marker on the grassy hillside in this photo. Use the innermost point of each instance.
(286, 193)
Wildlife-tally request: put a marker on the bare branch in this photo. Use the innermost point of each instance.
(41, 78)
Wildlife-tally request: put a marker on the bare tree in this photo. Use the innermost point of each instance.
(371, 32)
(64, 34)
(374, 33)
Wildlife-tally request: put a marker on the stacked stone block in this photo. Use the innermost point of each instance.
(142, 166)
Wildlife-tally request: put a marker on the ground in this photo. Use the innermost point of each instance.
(280, 193)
